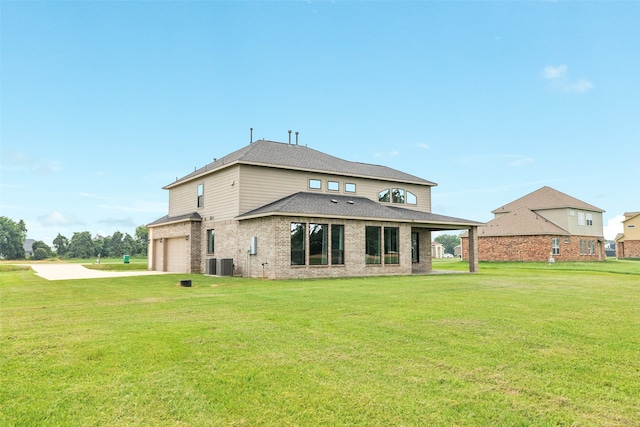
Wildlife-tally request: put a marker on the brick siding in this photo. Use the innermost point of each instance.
(531, 248)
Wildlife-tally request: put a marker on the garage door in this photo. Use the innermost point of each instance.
(177, 255)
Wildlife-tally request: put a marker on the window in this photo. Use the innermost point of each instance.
(315, 184)
(372, 245)
(298, 243)
(350, 188)
(200, 195)
(583, 250)
(318, 244)
(210, 241)
(397, 195)
(391, 245)
(589, 219)
(415, 247)
(591, 249)
(333, 186)
(631, 226)
(384, 195)
(411, 198)
(337, 244)
(555, 246)
(580, 218)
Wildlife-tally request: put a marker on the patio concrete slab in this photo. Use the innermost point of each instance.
(77, 271)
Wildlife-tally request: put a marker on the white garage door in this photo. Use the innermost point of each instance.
(177, 255)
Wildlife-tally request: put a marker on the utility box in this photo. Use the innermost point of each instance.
(210, 265)
(224, 267)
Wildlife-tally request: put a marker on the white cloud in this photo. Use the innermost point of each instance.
(559, 78)
(425, 146)
(59, 219)
(21, 161)
(550, 72)
(613, 227)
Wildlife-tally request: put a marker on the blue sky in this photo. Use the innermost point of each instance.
(104, 103)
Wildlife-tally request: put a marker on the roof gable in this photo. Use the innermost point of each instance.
(298, 157)
(521, 222)
(546, 198)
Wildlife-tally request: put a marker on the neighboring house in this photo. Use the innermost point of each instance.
(28, 247)
(278, 210)
(545, 223)
(437, 250)
(628, 242)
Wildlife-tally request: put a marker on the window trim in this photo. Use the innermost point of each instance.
(200, 194)
(211, 241)
(314, 181)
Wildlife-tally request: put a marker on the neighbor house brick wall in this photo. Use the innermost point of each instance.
(531, 248)
(628, 249)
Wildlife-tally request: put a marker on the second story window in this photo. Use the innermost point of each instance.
(200, 195)
(315, 184)
(349, 187)
(589, 219)
(333, 186)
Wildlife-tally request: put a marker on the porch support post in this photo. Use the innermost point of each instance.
(427, 251)
(473, 249)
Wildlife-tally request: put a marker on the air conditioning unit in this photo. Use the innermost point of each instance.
(210, 266)
(224, 267)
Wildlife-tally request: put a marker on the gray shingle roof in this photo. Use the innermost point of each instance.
(521, 222)
(546, 198)
(339, 206)
(192, 216)
(292, 156)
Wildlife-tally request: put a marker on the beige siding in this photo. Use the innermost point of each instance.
(221, 191)
(262, 185)
(633, 232)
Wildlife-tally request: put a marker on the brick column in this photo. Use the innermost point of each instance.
(473, 249)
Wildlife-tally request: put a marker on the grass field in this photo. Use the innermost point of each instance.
(513, 345)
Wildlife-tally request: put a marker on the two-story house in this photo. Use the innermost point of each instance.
(541, 225)
(278, 210)
(628, 242)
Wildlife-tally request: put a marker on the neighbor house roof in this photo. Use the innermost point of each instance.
(298, 157)
(521, 222)
(339, 206)
(630, 215)
(546, 198)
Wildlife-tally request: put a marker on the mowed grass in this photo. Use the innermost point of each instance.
(514, 345)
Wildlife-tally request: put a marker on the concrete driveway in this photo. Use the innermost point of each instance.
(77, 271)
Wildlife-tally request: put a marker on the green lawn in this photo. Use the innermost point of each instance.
(514, 345)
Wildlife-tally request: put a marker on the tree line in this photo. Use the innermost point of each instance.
(81, 244)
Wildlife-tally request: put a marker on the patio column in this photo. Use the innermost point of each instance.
(473, 249)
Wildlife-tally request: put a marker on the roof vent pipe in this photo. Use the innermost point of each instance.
(289, 136)
(251, 136)
(297, 137)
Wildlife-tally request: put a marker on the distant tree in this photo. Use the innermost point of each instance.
(12, 236)
(448, 241)
(99, 247)
(81, 245)
(61, 244)
(142, 239)
(129, 244)
(116, 245)
(46, 249)
(40, 253)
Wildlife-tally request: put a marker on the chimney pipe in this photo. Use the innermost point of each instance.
(297, 137)
(251, 137)
(289, 136)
